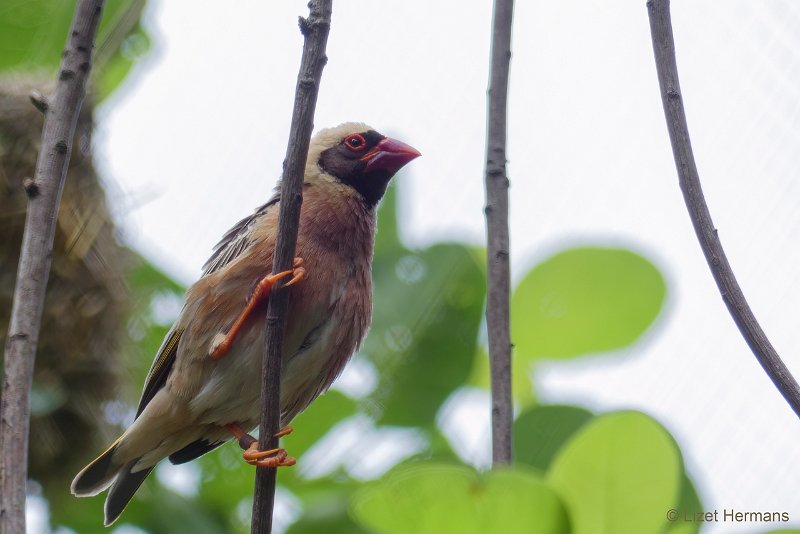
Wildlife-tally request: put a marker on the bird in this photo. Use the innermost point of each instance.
(204, 385)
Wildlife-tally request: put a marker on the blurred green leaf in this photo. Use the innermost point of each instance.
(585, 300)
(311, 425)
(332, 521)
(33, 34)
(146, 284)
(436, 498)
(540, 432)
(112, 73)
(618, 474)
(688, 504)
(46, 398)
(326, 508)
(387, 237)
(425, 324)
(521, 383)
(427, 342)
(154, 508)
(158, 509)
(81, 515)
(440, 449)
(145, 280)
(226, 479)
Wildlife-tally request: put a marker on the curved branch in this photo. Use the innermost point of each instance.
(664, 49)
(497, 260)
(315, 29)
(44, 195)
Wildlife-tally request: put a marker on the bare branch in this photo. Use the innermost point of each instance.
(315, 30)
(39, 101)
(498, 270)
(664, 49)
(44, 194)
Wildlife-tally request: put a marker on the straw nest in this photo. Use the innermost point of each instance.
(87, 301)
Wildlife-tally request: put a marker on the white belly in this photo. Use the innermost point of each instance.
(232, 392)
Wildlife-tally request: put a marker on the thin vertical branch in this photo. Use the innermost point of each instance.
(315, 30)
(664, 50)
(44, 195)
(497, 260)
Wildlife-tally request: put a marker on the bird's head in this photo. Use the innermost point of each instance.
(359, 157)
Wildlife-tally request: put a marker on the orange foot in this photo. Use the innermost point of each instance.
(270, 458)
(222, 342)
(253, 456)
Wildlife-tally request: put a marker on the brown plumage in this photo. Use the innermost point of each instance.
(189, 396)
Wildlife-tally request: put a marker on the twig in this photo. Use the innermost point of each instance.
(44, 195)
(497, 260)
(315, 29)
(664, 49)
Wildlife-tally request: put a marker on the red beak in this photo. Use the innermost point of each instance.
(389, 155)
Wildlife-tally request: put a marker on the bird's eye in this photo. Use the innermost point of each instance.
(355, 142)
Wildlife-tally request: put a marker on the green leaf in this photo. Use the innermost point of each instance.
(435, 498)
(113, 72)
(425, 324)
(521, 384)
(158, 509)
(146, 283)
(326, 508)
(688, 505)
(618, 474)
(33, 34)
(583, 301)
(387, 237)
(153, 509)
(46, 398)
(81, 515)
(317, 420)
(541, 431)
(683, 527)
(145, 280)
(332, 521)
(426, 341)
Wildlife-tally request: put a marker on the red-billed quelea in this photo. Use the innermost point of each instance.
(204, 385)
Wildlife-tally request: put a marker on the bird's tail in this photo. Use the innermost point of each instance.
(103, 472)
(122, 490)
(98, 475)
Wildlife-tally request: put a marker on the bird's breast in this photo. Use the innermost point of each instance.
(328, 313)
(327, 317)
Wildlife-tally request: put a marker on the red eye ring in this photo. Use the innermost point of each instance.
(355, 142)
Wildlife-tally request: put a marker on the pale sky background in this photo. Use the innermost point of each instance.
(195, 141)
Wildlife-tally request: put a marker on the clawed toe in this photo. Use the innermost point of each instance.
(253, 456)
(269, 458)
(285, 431)
(221, 343)
(298, 272)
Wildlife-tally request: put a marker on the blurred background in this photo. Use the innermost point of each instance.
(635, 393)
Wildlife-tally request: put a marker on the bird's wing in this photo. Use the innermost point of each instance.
(196, 449)
(236, 240)
(162, 364)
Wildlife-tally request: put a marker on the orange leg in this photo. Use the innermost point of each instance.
(222, 342)
(269, 458)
